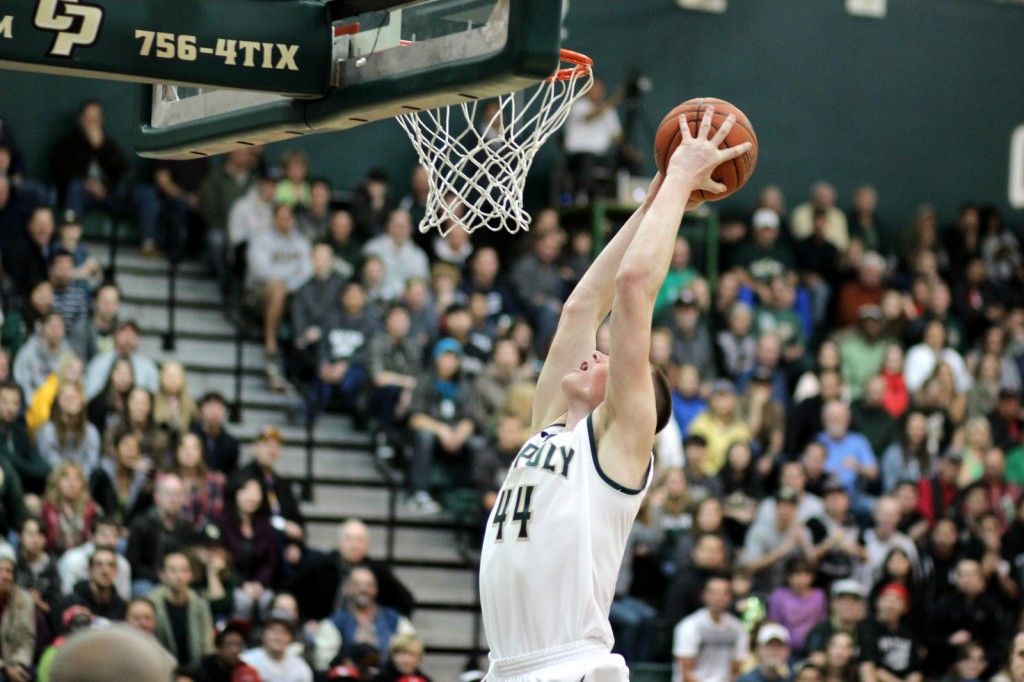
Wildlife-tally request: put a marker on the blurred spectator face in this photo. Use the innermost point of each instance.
(548, 246)
(103, 568)
(319, 197)
(836, 420)
(874, 391)
(323, 261)
(887, 517)
(169, 495)
(808, 673)
(485, 266)
(60, 271)
(709, 553)
(823, 196)
(267, 189)
(232, 644)
(865, 200)
(91, 117)
(840, 650)
(785, 513)
(893, 363)
(995, 464)
(837, 504)
(129, 455)
(406, 660)
(284, 218)
(108, 300)
(458, 322)
(40, 226)
(53, 330)
(661, 348)
(341, 226)
(140, 405)
(740, 319)
(32, 538)
(5, 189)
(723, 404)
(106, 536)
(944, 536)
(249, 497)
(399, 227)
(10, 404)
(783, 293)
(267, 452)
(831, 384)
(935, 335)
(848, 608)
(447, 365)
(969, 579)
(353, 542)
(890, 607)
(771, 197)
(688, 382)
(353, 298)
(793, 476)
(126, 340)
(213, 413)
(286, 602)
(717, 595)
(176, 573)
(1017, 658)
(172, 378)
(190, 451)
(506, 356)
(397, 323)
(681, 253)
(419, 183)
(768, 351)
(276, 638)
(908, 497)
(939, 299)
(70, 399)
(675, 480)
(361, 588)
(510, 435)
(968, 220)
(871, 271)
(972, 663)
(142, 616)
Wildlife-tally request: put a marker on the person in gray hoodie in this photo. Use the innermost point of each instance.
(38, 358)
(279, 263)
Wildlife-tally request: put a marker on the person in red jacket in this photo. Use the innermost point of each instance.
(938, 493)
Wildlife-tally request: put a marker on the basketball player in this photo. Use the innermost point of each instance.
(556, 535)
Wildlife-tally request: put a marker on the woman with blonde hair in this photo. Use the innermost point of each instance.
(69, 370)
(68, 510)
(173, 406)
(139, 419)
(69, 436)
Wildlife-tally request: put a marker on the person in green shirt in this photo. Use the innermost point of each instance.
(863, 353)
(765, 256)
(680, 274)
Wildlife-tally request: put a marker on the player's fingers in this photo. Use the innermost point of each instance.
(715, 187)
(723, 131)
(733, 152)
(684, 127)
(705, 122)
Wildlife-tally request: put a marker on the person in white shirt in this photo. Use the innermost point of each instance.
(711, 644)
(273, 660)
(73, 565)
(592, 136)
(402, 259)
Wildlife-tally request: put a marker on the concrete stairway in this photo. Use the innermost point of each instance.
(346, 479)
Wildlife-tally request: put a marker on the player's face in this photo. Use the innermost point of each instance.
(587, 381)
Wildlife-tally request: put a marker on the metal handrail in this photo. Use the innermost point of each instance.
(170, 336)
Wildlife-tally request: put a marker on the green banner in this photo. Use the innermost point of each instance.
(280, 46)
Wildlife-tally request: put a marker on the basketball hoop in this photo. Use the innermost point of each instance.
(477, 175)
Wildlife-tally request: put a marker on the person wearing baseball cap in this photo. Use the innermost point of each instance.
(220, 447)
(846, 614)
(765, 256)
(273, 660)
(772, 655)
(225, 664)
(889, 643)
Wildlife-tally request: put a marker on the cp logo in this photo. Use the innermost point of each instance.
(76, 24)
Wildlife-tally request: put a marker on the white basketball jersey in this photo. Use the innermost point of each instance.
(553, 545)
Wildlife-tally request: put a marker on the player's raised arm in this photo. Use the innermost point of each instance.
(583, 312)
(625, 422)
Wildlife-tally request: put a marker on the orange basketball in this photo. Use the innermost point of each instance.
(733, 174)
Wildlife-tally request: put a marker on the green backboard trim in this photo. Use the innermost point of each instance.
(529, 54)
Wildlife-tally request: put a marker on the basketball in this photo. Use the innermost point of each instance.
(733, 174)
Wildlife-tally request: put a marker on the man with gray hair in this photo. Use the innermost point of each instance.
(159, 531)
(848, 455)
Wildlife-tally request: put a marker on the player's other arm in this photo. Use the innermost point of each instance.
(583, 312)
(625, 421)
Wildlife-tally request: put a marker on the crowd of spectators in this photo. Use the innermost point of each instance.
(837, 497)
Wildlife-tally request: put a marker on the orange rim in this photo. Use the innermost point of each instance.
(581, 66)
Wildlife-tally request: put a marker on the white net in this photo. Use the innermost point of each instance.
(477, 154)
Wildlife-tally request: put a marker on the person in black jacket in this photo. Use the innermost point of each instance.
(220, 448)
(90, 170)
(97, 593)
(161, 530)
(317, 585)
(15, 446)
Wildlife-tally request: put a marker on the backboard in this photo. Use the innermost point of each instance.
(385, 62)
